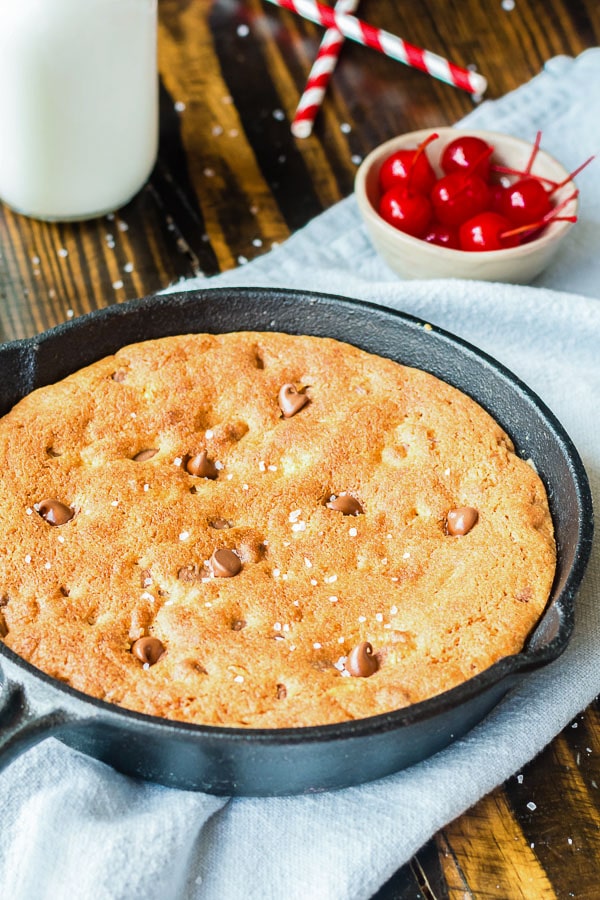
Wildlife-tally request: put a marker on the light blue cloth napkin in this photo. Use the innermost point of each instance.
(72, 828)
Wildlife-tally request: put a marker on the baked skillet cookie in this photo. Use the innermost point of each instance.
(264, 530)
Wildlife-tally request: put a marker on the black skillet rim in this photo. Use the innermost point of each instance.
(506, 668)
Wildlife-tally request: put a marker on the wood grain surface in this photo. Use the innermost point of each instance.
(231, 182)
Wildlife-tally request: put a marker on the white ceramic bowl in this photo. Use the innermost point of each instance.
(414, 258)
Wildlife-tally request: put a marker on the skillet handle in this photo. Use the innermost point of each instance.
(24, 723)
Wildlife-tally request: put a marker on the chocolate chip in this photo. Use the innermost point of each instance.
(220, 523)
(346, 504)
(54, 512)
(3, 626)
(225, 563)
(460, 521)
(281, 692)
(291, 400)
(148, 650)
(52, 453)
(238, 624)
(143, 455)
(201, 466)
(361, 662)
(119, 375)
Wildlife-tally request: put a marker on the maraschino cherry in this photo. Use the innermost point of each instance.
(487, 231)
(458, 197)
(467, 154)
(406, 210)
(527, 200)
(411, 164)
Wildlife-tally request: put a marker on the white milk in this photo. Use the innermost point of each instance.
(78, 104)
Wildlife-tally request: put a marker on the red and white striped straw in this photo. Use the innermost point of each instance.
(388, 44)
(318, 79)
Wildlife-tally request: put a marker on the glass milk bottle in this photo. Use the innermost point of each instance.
(78, 104)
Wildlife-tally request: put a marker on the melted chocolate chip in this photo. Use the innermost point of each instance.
(291, 400)
(361, 662)
(201, 466)
(225, 563)
(148, 650)
(119, 375)
(460, 521)
(281, 692)
(346, 504)
(220, 523)
(143, 455)
(54, 512)
(238, 624)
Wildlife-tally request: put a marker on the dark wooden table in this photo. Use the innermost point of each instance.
(230, 182)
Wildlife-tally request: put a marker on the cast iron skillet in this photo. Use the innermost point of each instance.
(286, 761)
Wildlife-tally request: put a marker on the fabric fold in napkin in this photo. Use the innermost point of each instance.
(72, 827)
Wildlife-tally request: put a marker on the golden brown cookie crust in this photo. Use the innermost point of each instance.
(117, 443)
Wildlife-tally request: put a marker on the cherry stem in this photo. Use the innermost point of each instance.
(480, 159)
(534, 153)
(505, 170)
(572, 175)
(525, 228)
(420, 149)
